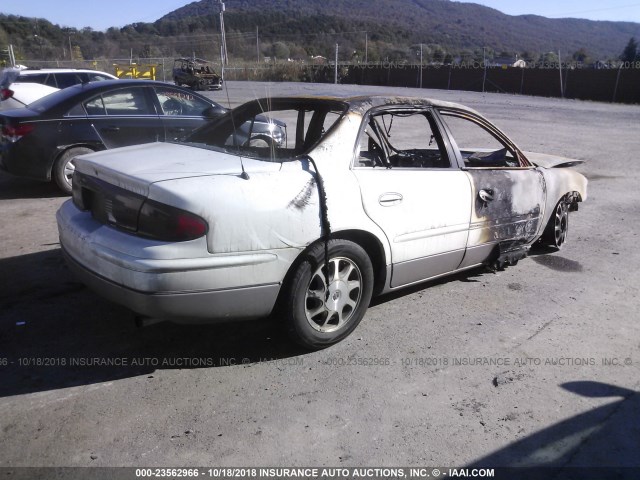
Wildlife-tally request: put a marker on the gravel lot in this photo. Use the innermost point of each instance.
(537, 364)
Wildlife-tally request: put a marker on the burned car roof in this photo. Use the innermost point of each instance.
(362, 103)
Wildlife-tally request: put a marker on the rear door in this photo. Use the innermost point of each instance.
(413, 191)
(68, 79)
(125, 116)
(507, 192)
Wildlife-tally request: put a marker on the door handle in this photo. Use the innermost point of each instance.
(389, 199)
(112, 128)
(486, 195)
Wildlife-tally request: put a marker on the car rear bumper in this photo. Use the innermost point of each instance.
(188, 307)
(173, 281)
(22, 162)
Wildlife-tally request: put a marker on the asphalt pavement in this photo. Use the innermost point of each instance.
(536, 364)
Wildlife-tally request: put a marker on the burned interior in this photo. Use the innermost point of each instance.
(387, 142)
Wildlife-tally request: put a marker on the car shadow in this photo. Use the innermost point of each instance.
(539, 249)
(540, 254)
(55, 333)
(468, 276)
(552, 258)
(601, 443)
(16, 188)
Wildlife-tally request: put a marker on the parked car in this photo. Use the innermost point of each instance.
(21, 86)
(17, 95)
(41, 140)
(367, 195)
(57, 77)
(196, 73)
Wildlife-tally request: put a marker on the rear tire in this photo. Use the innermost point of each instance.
(555, 233)
(318, 316)
(63, 168)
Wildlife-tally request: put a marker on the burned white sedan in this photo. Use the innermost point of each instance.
(364, 196)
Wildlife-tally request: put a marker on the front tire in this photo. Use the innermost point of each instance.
(317, 314)
(555, 233)
(63, 168)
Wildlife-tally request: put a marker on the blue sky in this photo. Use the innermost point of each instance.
(100, 15)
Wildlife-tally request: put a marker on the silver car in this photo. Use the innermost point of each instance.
(365, 195)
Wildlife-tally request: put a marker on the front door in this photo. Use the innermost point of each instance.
(507, 193)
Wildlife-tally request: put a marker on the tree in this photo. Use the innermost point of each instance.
(630, 52)
(581, 56)
(280, 50)
(549, 58)
(528, 56)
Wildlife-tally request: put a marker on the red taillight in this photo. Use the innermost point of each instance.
(5, 93)
(15, 133)
(170, 224)
(133, 213)
(190, 226)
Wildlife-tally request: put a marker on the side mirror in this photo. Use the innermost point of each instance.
(214, 111)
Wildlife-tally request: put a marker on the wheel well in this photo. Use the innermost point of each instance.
(60, 153)
(572, 199)
(367, 241)
(374, 249)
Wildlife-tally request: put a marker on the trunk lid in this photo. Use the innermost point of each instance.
(135, 168)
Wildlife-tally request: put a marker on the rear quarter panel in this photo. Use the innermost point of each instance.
(270, 210)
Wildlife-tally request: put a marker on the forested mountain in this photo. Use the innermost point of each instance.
(455, 26)
(377, 30)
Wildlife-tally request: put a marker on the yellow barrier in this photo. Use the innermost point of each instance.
(145, 72)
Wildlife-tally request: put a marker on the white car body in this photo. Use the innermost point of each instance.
(23, 94)
(21, 85)
(265, 216)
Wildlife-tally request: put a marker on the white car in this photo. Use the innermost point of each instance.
(18, 95)
(21, 86)
(366, 195)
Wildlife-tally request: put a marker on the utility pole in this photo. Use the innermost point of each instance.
(366, 48)
(336, 69)
(420, 65)
(615, 89)
(484, 64)
(225, 56)
(257, 45)
(560, 69)
(12, 59)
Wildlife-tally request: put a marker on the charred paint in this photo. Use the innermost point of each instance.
(303, 198)
(507, 205)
